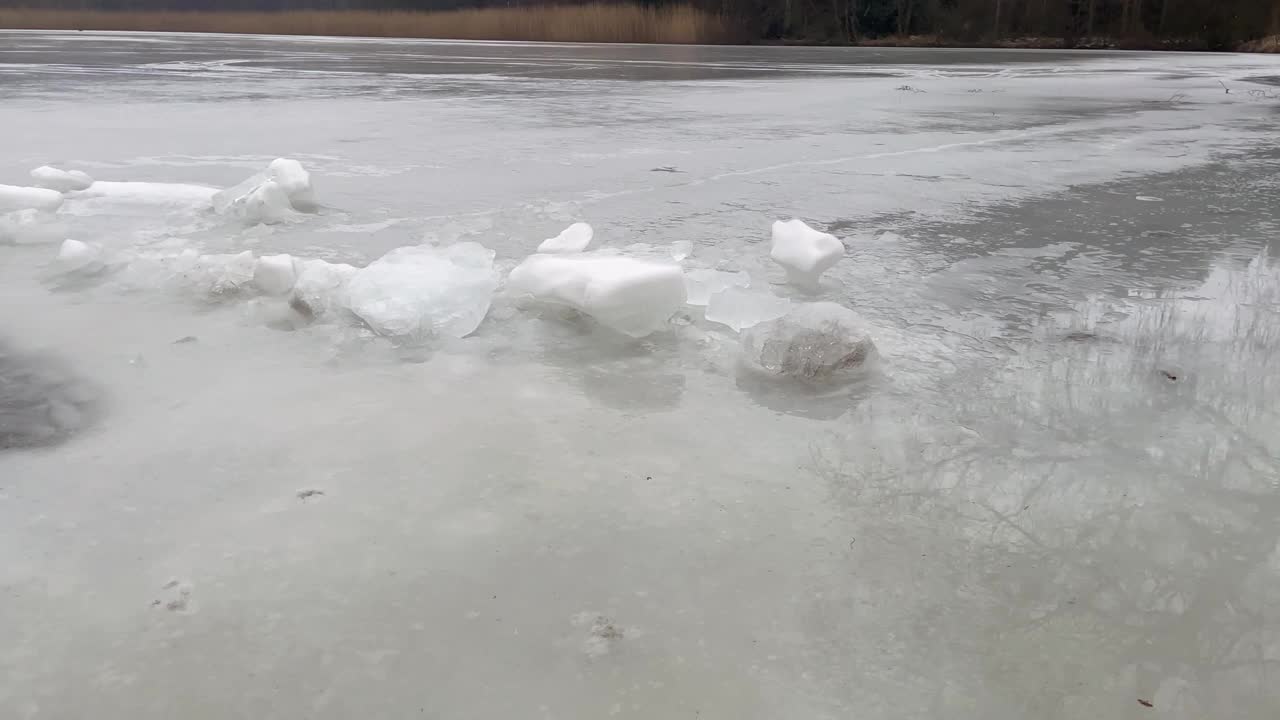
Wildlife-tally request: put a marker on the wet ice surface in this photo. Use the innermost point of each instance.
(1055, 494)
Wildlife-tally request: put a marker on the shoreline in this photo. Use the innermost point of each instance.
(608, 24)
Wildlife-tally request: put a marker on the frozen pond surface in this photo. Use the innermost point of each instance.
(1057, 495)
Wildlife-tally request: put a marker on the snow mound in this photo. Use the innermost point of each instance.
(270, 196)
(75, 257)
(572, 239)
(740, 309)
(701, 284)
(62, 181)
(819, 341)
(633, 297)
(321, 286)
(15, 197)
(804, 252)
(275, 274)
(425, 291)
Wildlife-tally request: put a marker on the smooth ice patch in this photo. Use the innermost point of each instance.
(62, 181)
(633, 297)
(701, 284)
(16, 197)
(740, 309)
(814, 342)
(425, 291)
(804, 252)
(572, 239)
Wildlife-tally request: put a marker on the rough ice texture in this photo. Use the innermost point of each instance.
(424, 291)
(60, 180)
(321, 286)
(269, 196)
(740, 309)
(815, 341)
(219, 274)
(633, 297)
(24, 227)
(275, 274)
(14, 197)
(804, 252)
(701, 284)
(572, 239)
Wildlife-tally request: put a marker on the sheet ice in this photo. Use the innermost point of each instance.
(60, 180)
(803, 252)
(634, 297)
(106, 193)
(17, 197)
(740, 309)
(814, 341)
(574, 238)
(425, 291)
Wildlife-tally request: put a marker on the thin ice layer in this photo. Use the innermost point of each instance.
(425, 291)
(740, 309)
(702, 283)
(633, 297)
(804, 252)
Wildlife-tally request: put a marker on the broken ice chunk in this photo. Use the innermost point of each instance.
(815, 341)
(572, 239)
(275, 274)
(60, 180)
(29, 226)
(14, 197)
(321, 285)
(633, 297)
(804, 252)
(740, 309)
(701, 284)
(424, 291)
(269, 196)
(219, 274)
(295, 181)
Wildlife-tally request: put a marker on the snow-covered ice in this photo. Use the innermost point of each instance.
(572, 239)
(740, 309)
(803, 252)
(817, 341)
(701, 283)
(634, 297)
(63, 181)
(16, 197)
(424, 291)
(275, 274)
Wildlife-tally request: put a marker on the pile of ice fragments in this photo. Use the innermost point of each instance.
(446, 291)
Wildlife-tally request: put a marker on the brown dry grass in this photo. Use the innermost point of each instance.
(570, 23)
(1270, 44)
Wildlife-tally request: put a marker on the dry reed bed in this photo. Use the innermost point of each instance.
(576, 23)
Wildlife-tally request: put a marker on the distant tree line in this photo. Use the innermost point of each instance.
(1207, 24)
